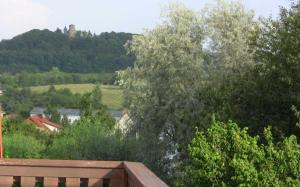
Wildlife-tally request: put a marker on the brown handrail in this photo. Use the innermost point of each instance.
(140, 176)
(1, 143)
(116, 173)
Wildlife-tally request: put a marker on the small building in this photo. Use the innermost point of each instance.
(38, 111)
(71, 33)
(71, 114)
(44, 124)
(116, 114)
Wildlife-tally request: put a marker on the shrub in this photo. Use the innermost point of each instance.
(226, 155)
(22, 146)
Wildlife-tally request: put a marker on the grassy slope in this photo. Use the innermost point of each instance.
(112, 96)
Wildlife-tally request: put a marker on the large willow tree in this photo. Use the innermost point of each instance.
(160, 89)
(173, 63)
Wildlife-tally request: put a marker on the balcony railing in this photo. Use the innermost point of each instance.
(71, 173)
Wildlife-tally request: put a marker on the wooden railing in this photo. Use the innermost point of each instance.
(71, 173)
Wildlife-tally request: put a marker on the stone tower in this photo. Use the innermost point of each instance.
(72, 31)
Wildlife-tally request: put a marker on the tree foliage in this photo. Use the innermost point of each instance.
(53, 77)
(21, 101)
(265, 95)
(91, 102)
(167, 90)
(91, 138)
(226, 155)
(167, 69)
(22, 146)
(229, 27)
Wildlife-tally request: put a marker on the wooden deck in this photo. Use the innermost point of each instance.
(73, 173)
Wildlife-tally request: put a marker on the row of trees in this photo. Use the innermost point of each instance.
(21, 101)
(220, 61)
(40, 50)
(55, 76)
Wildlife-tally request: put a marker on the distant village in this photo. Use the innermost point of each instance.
(39, 119)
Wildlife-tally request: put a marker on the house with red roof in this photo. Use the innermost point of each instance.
(44, 123)
(72, 114)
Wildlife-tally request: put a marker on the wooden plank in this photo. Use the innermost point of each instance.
(73, 182)
(62, 163)
(117, 183)
(140, 176)
(60, 172)
(1, 142)
(95, 182)
(50, 182)
(6, 181)
(134, 182)
(27, 181)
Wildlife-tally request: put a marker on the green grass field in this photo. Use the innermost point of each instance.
(112, 96)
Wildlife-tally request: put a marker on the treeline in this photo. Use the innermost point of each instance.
(21, 101)
(55, 76)
(41, 50)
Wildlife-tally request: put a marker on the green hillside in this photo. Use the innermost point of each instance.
(41, 50)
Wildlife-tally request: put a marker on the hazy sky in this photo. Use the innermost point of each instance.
(18, 16)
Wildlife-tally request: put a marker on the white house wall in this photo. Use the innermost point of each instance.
(51, 128)
(72, 119)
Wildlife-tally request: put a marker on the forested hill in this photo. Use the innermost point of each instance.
(40, 50)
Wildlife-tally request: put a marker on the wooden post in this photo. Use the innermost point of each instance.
(1, 143)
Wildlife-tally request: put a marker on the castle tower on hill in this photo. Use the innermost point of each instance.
(71, 32)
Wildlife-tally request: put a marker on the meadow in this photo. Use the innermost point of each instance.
(112, 96)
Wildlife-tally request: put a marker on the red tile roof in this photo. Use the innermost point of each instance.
(40, 121)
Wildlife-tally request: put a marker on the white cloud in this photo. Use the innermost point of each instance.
(18, 16)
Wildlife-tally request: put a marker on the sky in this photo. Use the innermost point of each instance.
(19, 16)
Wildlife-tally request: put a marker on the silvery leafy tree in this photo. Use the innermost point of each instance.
(229, 27)
(174, 63)
(160, 89)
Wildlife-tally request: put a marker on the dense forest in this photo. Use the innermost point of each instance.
(41, 50)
